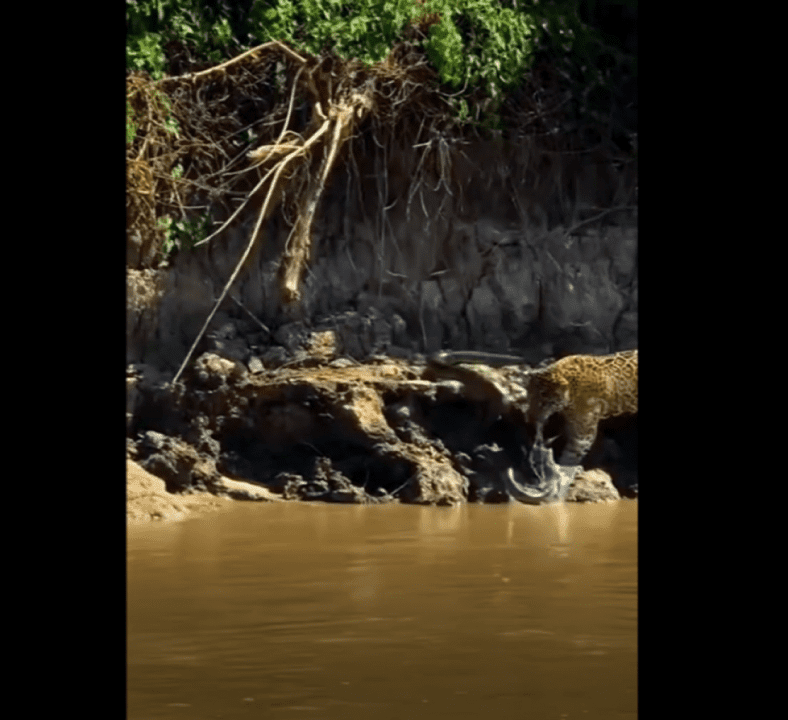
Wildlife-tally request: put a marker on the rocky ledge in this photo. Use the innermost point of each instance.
(338, 430)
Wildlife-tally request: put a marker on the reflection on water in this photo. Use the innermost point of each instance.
(333, 611)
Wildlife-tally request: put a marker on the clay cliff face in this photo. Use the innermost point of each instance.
(497, 250)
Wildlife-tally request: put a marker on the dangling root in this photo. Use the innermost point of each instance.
(299, 245)
(298, 248)
(274, 183)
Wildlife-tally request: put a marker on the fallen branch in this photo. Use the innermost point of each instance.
(274, 184)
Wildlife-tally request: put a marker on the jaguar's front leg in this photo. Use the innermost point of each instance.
(580, 436)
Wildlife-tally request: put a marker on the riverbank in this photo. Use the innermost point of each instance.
(335, 430)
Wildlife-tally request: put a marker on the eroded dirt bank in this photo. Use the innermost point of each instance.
(332, 429)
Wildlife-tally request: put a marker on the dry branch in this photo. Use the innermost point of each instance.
(218, 69)
(263, 213)
(298, 249)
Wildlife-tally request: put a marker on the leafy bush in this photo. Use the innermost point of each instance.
(481, 48)
(471, 43)
(150, 24)
(365, 29)
(480, 43)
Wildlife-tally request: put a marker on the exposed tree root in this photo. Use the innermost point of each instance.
(343, 94)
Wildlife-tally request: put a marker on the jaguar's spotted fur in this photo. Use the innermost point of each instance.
(584, 389)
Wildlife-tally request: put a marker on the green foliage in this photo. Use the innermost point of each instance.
(482, 49)
(145, 53)
(150, 24)
(473, 44)
(479, 43)
(183, 234)
(364, 29)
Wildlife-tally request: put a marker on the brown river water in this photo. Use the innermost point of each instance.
(308, 610)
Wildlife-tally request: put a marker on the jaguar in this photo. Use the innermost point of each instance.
(584, 389)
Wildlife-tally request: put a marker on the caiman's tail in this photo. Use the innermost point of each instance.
(554, 479)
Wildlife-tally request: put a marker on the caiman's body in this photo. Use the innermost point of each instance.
(450, 358)
(496, 380)
(474, 368)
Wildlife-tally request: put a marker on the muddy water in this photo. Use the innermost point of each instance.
(334, 611)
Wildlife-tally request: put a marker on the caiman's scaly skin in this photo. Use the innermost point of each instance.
(555, 480)
(496, 379)
(507, 386)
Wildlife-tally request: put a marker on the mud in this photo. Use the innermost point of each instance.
(147, 499)
(336, 430)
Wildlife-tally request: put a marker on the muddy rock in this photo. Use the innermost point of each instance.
(326, 484)
(592, 486)
(437, 483)
(147, 498)
(179, 464)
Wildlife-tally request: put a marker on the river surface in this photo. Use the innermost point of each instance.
(308, 610)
